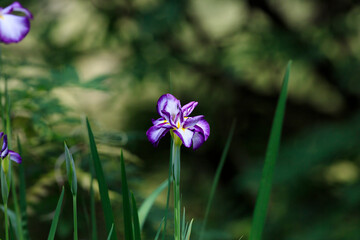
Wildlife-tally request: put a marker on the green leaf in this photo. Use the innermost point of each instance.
(92, 206)
(149, 201)
(111, 232)
(22, 195)
(56, 217)
(159, 229)
(136, 225)
(128, 230)
(217, 177)
(188, 233)
(104, 195)
(262, 200)
(12, 217)
(70, 170)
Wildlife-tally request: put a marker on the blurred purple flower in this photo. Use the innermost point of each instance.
(5, 150)
(14, 28)
(191, 130)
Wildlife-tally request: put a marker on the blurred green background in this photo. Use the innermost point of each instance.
(111, 60)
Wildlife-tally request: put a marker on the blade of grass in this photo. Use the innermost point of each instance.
(104, 193)
(12, 217)
(111, 232)
(217, 177)
(92, 205)
(159, 229)
(19, 231)
(22, 194)
(188, 233)
(262, 200)
(149, 201)
(128, 230)
(136, 225)
(56, 217)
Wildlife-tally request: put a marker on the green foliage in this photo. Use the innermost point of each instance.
(269, 166)
(104, 194)
(56, 217)
(70, 170)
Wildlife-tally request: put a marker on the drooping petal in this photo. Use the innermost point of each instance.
(16, 6)
(188, 108)
(13, 28)
(15, 157)
(203, 127)
(192, 121)
(168, 107)
(198, 139)
(185, 135)
(155, 133)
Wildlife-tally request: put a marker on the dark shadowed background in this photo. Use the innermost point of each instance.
(111, 60)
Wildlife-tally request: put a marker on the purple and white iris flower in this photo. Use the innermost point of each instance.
(5, 150)
(13, 28)
(174, 118)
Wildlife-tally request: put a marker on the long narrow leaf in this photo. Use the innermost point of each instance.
(19, 231)
(13, 223)
(217, 177)
(149, 201)
(188, 233)
(56, 217)
(159, 229)
(70, 170)
(111, 232)
(92, 205)
(168, 191)
(262, 200)
(22, 194)
(136, 225)
(126, 202)
(104, 193)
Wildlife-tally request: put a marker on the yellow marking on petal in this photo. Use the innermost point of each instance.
(1, 17)
(178, 125)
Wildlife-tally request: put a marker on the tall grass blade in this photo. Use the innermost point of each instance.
(159, 229)
(19, 230)
(13, 223)
(56, 217)
(136, 225)
(262, 200)
(128, 229)
(188, 233)
(92, 206)
(111, 232)
(22, 195)
(104, 195)
(217, 177)
(149, 201)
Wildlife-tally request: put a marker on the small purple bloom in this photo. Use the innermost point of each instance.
(5, 150)
(14, 28)
(191, 130)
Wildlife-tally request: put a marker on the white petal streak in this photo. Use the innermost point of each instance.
(185, 135)
(13, 28)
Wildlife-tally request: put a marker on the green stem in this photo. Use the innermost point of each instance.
(176, 182)
(75, 218)
(6, 222)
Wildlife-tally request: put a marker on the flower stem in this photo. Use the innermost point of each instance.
(6, 222)
(75, 218)
(176, 182)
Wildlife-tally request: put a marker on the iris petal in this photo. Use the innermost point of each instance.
(192, 121)
(188, 108)
(155, 133)
(167, 103)
(16, 6)
(185, 135)
(13, 28)
(15, 157)
(203, 127)
(198, 139)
